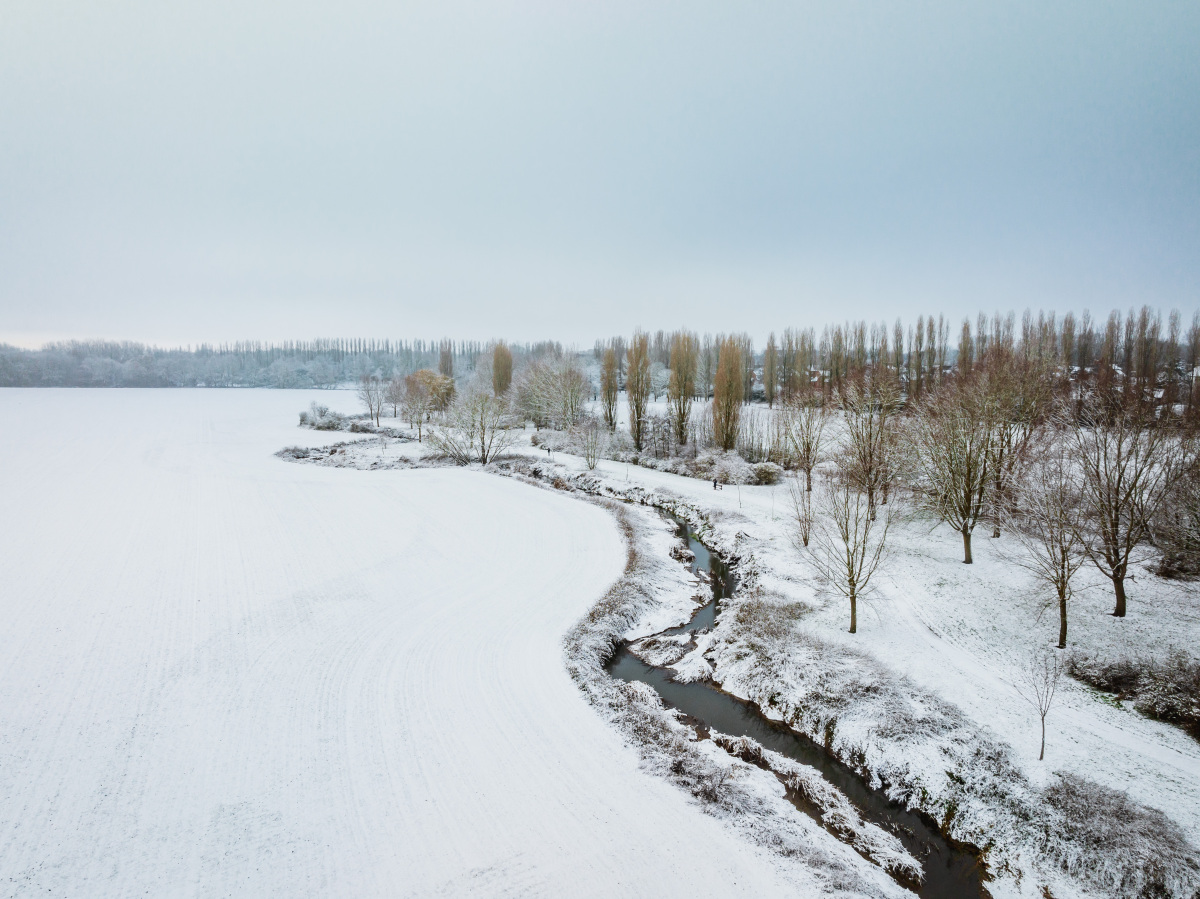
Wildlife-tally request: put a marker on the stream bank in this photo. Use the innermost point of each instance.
(950, 870)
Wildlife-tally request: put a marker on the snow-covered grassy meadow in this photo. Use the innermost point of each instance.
(226, 675)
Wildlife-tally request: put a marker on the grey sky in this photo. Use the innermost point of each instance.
(178, 172)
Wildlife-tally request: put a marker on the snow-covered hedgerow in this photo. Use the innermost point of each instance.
(724, 467)
(367, 455)
(1168, 690)
(322, 418)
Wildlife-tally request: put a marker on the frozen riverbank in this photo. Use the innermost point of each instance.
(227, 675)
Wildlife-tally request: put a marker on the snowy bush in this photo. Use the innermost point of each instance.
(1101, 836)
(1168, 690)
(320, 418)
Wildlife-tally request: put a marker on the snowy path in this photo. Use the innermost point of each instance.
(224, 675)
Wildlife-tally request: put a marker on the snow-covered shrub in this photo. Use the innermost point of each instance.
(1168, 690)
(1101, 836)
(766, 473)
(320, 418)
(294, 452)
(1120, 675)
(558, 441)
(726, 468)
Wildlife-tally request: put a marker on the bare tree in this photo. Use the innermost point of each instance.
(1176, 527)
(637, 386)
(1037, 682)
(685, 352)
(868, 453)
(951, 447)
(372, 393)
(502, 369)
(476, 429)
(394, 395)
(1048, 527)
(1017, 394)
(848, 542)
(418, 399)
(610, 387)
(802, 510)
(804, 418)
(728, 391)
(592, 437)
(1128, 462)
(552, 392)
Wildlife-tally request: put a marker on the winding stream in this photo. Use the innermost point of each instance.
(951, 872)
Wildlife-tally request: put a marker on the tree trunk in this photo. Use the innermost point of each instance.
(808, 479)
(853, 614)
(1042, 754)
(1119, 588)
(1062, 620)
(967, 560)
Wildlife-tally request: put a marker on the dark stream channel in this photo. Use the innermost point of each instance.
(951, 872)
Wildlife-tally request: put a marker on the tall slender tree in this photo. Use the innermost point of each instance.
(771, 370)
(637, 386)
(610, 386)
(502, 365)
(728, 394)
(685, 351)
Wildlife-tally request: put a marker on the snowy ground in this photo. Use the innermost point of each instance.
(226, 675)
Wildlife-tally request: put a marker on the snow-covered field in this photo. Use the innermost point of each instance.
(221, 674)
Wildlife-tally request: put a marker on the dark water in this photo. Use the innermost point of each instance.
(950, 872)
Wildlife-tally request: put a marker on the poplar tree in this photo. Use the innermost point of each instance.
(770, 370)
(610, 387)
(502, 363)
(637, 385)
(727, 394)
(685, 351)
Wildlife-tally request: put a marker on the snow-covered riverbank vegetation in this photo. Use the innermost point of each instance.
(1059, 462)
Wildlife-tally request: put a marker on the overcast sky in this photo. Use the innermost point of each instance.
(184, 171)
